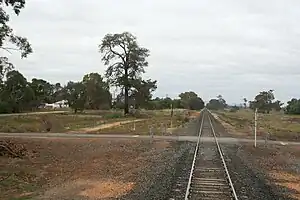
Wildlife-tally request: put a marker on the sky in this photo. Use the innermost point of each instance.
(235, 48)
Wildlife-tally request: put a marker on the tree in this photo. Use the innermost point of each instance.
(58, 92)
(76, 95)
(245, 102)
(22, 45)
(293, 107)
(196, 104)
(125, 60)
(186, 97)
(161, 103)
(16, 93)
(277, 105)
(141, 93)
(263, 101)
(97, 92)
(7, 35)
(43, 91)
(221, 100)
(215, 104)
(190, 100)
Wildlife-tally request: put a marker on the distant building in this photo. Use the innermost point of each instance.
(58, 104)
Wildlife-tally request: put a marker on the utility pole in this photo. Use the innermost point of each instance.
(255, 126)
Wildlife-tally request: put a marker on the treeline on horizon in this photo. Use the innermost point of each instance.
(92, 92)
(263, 102)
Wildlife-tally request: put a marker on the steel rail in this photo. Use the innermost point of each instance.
(194, 161)
(223, 161)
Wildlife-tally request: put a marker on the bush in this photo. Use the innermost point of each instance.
(234, 109)
(114, 115)
(5, 107)
(293, 107)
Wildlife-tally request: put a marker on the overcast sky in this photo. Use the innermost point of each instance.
(231, 47)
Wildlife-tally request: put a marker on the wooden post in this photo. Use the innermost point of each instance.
(171, 124)
(151, 133)
(255, 126)
(162, 128)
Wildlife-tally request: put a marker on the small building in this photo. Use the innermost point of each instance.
(58, 104)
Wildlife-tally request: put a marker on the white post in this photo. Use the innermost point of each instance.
(255, 126)
(171, 123)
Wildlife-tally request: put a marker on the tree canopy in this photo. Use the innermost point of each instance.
(217, 104)
(17, 94)
(187, 100)
(293, 107)
(190, 100)
(97, 91)
(7, 35)
(125, 60)
(264, 102)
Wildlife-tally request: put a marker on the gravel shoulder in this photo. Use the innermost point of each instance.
(264, 172)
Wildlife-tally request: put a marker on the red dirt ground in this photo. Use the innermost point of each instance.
(280, 163)
(77, 168)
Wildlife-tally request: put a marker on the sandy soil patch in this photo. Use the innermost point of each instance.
(105, 126)
(89, 189)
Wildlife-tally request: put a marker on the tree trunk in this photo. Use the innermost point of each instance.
(126, 110)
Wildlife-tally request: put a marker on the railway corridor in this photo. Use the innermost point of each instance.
(208, 177)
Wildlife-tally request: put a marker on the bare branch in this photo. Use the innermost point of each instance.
(8, 48)
(116, 53)
(11, 152)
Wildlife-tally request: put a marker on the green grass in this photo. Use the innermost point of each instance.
(280, 126)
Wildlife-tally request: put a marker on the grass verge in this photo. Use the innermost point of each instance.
(159, 122)
(278, 125)
(54, 122)
(90, 122)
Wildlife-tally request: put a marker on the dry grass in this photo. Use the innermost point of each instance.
(66, 122)
(56, 123)
(159, 122)
(279, 125)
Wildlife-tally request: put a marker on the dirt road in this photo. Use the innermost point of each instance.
(224, 140)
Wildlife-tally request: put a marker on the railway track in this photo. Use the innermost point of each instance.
(209, 176)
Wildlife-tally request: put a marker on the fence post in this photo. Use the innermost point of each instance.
(255, 126)
(151, 133)
(266, 138)
(134, 125)
(162, 128)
